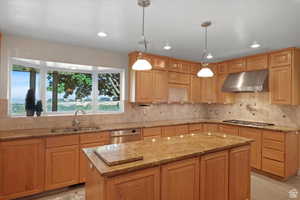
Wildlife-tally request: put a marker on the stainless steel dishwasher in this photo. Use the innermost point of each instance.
(126, 135)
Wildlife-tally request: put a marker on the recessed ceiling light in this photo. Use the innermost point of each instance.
(102, 34)
(167, 47)
(209, 56)
(255, 45)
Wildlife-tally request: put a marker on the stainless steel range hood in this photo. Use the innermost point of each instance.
(254, 81)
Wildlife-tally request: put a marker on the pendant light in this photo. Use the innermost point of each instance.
(205, 71)
(142, 64)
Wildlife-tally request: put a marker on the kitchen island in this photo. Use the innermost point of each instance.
(210, 166)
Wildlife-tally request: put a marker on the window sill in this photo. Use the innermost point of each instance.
(66, 114)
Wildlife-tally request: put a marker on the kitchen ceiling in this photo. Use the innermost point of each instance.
(236, 24)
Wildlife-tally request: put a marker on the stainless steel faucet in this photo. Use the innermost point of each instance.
(76, 122)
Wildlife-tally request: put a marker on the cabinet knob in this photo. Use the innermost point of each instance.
(91, 166)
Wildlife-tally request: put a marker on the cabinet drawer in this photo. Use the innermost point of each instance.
(150, 132)
(194, 127)
(59, 141)
(281, 58)
(94, 137)
(271, 144)
(228, 129)
(273, 154)
(182, 129)
(273, 167)
(179, 78)
(273, 135)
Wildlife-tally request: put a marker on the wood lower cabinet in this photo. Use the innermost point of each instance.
(62, 166)
(239, 170)
(143, 184)
(210, 127)
(256, 146)
(180, 180)
(169, 131)
(22, 168)
(214, 176)
(195, 128)
(229, 129)
(152, 132)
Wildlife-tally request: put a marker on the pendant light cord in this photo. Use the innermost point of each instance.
(205, 47)
(143, 30)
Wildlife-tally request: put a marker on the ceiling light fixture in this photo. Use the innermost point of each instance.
(255, 45)
(205, 71)
(167, 47)
(142, 64)
(102, 34)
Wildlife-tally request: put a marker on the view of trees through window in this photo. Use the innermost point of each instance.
(66, 91)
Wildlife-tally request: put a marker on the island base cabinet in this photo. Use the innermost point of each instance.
(180, 180)
(214, 176)
(21, 168)
(144, 184)
(239, 173)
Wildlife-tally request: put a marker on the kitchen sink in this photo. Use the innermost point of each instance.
(83, 129)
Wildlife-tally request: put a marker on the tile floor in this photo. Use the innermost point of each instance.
(262, 188)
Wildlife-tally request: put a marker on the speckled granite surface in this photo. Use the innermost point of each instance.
(33, 133)
(163, 150)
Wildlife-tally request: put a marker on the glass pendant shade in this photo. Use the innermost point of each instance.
(141, 65)
(205, 73)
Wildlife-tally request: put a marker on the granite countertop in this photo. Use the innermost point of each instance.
(34, 133)
(162, 150)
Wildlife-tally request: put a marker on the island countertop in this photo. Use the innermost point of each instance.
(160, 151)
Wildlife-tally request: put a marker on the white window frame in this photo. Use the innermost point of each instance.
(44, 69)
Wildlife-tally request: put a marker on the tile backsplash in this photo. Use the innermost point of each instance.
(133, 113)
(256, 107)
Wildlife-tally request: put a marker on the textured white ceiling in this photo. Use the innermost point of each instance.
(236, 24)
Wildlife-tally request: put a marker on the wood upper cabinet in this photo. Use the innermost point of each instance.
(229, 129)
(159, 62)
(239, 170)
(22, 168)
(237, 65)
(214, 176)
(62, 166)
(223, 97)
(144, 86)
(256, 146)
(281, 58)
(179, 66)
(195, 67)
(178, 78)
(143, 184)
(281, 85)
(210, 127)
(195, 89)
(160, 86)
(209, 87)
(257, 62)
(222, 68)
(180, 180)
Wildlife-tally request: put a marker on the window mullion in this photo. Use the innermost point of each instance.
(94, 91)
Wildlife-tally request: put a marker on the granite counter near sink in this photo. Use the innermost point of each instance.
(33, 133)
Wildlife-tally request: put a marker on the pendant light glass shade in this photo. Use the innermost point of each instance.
(205, 73)
(141, 64)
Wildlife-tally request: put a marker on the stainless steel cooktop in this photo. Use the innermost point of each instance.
(248, 123)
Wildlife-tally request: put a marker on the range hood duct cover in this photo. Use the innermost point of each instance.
(253, 81)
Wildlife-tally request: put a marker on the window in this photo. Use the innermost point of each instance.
(65, 88)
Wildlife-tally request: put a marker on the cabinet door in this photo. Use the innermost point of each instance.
(195, 89)
(62, 166)
(180, 180)
(144, 86)
(280, 85)
(83, 161)
(228, 129)
(143, 184)
(258, 62)
(239, 179)
(185, 67)
(281, 58)
(160, 86)
(237, 65)
(222, 68)
(179, 78)
(256, 146)
(223, 97)
(210, 127)
(22, 168)
(151, 132)
(159, 63)
(214, 176)
(174, 65)
(209, 89)
(195, 68)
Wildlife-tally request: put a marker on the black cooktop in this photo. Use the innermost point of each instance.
(248, 123)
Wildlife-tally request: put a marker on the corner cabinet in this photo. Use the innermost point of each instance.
(285, 76)
(149, 86)
(21, 168)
